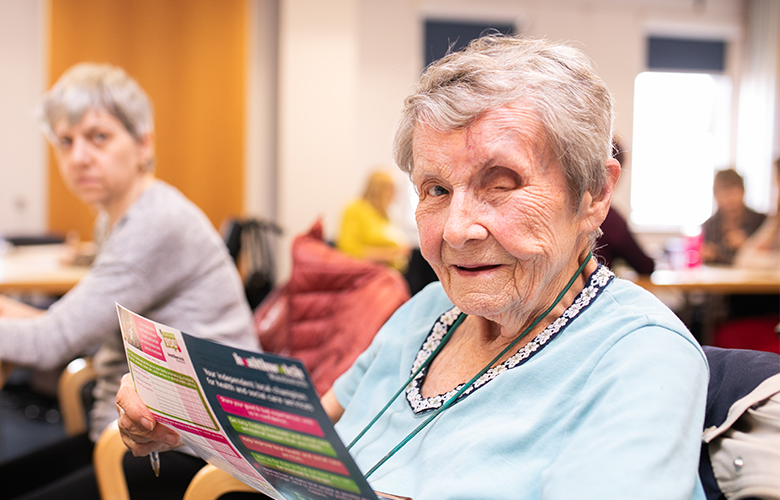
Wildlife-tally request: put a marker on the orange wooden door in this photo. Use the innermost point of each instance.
(189, 56)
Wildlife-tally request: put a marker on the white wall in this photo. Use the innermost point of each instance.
(23, 173)
(318, 85)
(759, 100)
(391, 58)
(260, 180)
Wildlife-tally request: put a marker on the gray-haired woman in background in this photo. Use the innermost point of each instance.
(160, 257)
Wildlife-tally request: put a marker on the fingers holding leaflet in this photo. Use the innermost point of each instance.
(137, 425)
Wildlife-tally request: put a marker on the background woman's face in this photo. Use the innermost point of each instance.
(729, 198)
(494, 214)
(98, 158)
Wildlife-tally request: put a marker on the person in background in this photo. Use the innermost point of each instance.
(617, 242)
(762, 249)
(732, 223)
(752, 320)
(529, 371)
(159, 256)
(366, 231)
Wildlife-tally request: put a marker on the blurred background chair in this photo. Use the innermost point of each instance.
(74, 394)
(5, 370)
(330, 309)
(211, 483)
(251, 244)
(107, 460)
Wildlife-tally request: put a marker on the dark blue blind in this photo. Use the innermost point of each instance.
(440, 35)
(685, 54)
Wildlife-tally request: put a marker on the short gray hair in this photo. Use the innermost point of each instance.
(88, 86)
(557, 81)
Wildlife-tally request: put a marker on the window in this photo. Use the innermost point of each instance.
(682, 135)
(682, 132)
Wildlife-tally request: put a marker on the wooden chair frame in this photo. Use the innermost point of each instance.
(107, 461)
(74, 377)
(5, 371)
(211, 483)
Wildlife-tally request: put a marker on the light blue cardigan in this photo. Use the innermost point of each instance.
(610, 407)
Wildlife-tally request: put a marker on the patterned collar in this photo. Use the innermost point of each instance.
(596, 283)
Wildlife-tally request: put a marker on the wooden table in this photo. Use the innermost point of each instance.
(37, 269)
(709, 280)
(712, 279)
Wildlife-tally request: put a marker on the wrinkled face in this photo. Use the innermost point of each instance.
(98, 159)
(494, 215)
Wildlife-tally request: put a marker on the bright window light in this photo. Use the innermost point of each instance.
(681, 136)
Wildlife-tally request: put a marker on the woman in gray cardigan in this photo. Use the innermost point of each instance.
(159, 256)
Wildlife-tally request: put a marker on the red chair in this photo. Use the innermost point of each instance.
(330, 310)
(757, 333)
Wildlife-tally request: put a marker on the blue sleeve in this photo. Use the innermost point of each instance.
(639, 435)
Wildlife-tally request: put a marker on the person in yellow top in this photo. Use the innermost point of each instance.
(366, 231)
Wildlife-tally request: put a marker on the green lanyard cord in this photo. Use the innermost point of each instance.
(468, 384)
(444, 340)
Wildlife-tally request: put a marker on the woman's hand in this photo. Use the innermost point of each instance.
(331, 405)
(140, 431)
(735, 238)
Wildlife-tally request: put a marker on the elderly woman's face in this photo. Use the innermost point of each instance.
(494, 216)
(98, 158)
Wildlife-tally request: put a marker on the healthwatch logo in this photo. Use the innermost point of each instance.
(170, 342)
(262, 365)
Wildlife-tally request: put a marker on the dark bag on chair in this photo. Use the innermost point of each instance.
(250, 244)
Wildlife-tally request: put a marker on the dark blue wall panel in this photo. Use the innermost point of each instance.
(686, 54)
(440, 36)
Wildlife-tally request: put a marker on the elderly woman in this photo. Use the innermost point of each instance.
(530, 371)
(159, 256)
